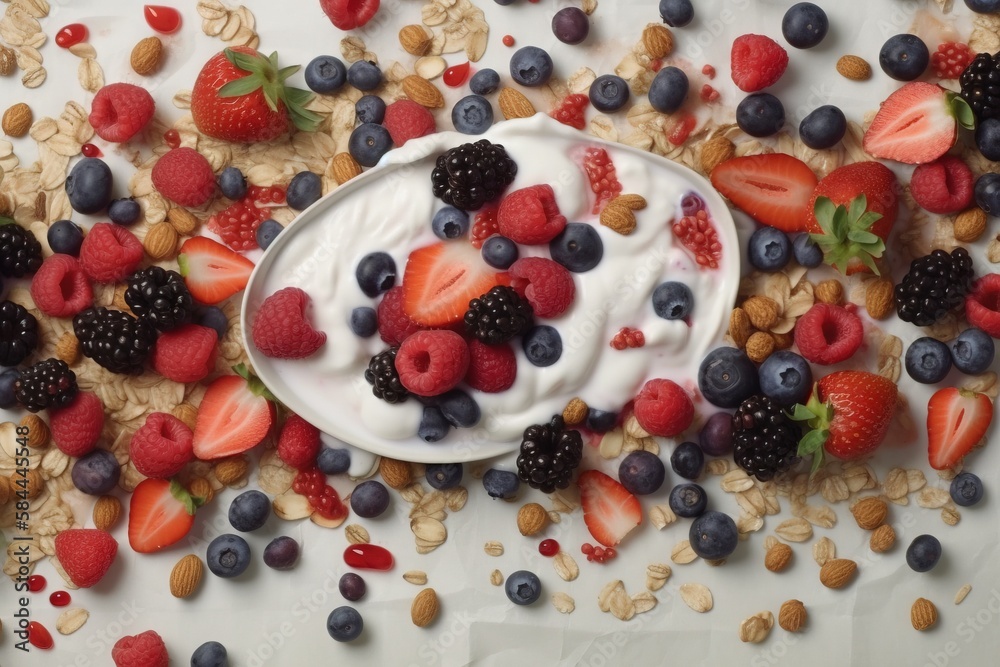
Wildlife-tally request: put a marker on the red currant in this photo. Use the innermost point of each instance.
(548, 548)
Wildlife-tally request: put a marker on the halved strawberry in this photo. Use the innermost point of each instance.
(235, 415)
(212, 272)
(441, 279)
(609, 510)
(160, 513)
(773, 189)
(957, 420)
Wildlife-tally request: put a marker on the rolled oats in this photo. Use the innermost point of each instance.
(565, 566)
(697, 596)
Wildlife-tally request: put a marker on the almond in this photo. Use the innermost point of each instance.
(829, 291)
(715, 151)
(423, 92)
(231, 470)
(870, 512)
(425, 607)
(837, 573)
(344, 167)
(34, 484)
(186, 576)
(161, 241)
(878, 298)
(107, 511)
(575, 412)
(763, 311)
(182, 220)
(17, 120)
(792, 615)
(38, 431)
(6, 491)
(415, 39)
(882, 538)
(68, 348)
(618, 218)
(632, 201)
(146, 56)
(740, 328)
(513, 104)
(970, 224)
(395, 473)
(532, 519)
(854, 68)
(187, 413)
(759, 346)
(783, 341)
(923, 614)
(40, 207)
(8, 61)
(658, 40)
(778, 557)
(199, 487)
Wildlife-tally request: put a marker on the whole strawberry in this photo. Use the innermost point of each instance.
(85, 554)
(240, 95)
(145, 649)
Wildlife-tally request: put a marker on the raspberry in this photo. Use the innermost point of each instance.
(432, 362)
(943, 186)
(571, 111)
(120, 111)
(110, 253)
(492, 368)
(184, 176)
(828, 334)
(603, 178)
(237, 224)
(663, 408)
(405, 120)
(757, 62)
(628, 337)
(394, 325)
(298, 443)
(530, 215)
(85, 554)
(162, 446)
(484, 226)
(185, 354)
(698, 234)
(951, 59)
(77, 427)
(982, 305)
(60, 287)
(546, 284)
(281, 330)
(145, 649)
(679, 127)
(349, 14)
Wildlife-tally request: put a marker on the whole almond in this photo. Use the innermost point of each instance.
(107, 511)
(38, 431)
(182, 220)
(199, 487)
(17, 120)
(344, 167)
(415, 39)
(762, 310)
(532, 519)
(740, 327)
(618, 218)
(186, 576)
(829, 291)
(837, 573)
(161, 241)
(778, 557)
(759, 346)
(658, 40)
(8, 61)
(878, 297)
(423, 92)
(40, 208)
(923, 614)
(715, 151)
(792, 615)
(882, 538)
(970, 224)
(854, 68)
(425, 607)
(575, 412)
(513, 104)
(231, 470)
(33, 484)
(632, 201)
(395, 473)
(146, 56)
(68, 348)
(870, 512)
(783, 341)
(187, 413)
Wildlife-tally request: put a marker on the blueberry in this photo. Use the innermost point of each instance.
(267, 231)
(364, 75)
(501, 484)
(688, 500)
(370, 109)
(676, 13)
(96, 473)
(210, 654)
(7, 380)
(983, 7)
(304, 190)
(443, 476)
(609, 93)
(228, 556)
(672, 300)
(716, 437)
(727, 377)
(332, 461)
(687, 460)
(904, 57)
(370, 499)
(973, 351)
(668, 90)
(713, 535)
(249, 511)
(213, 318)
(769, 249)
(65, 237)
(804, 25)
(459, 409)
(433, 425)
(352, 586)
(344, 624)
(281, 553)
(499, 252)
(923, 553)
(570, 25)
(578, 247)
(232, 183)
(760, 114)
(987, 193)
(473, 114)
(450, 223)
(523, 587)
(542, 345)
(823, 127)
(325, 74)
(368, 143)
(988, 137)
(124, 212)
(927, 360)
(531, 66)
(966, 489)
(806, 251)
(484, 82)
(504, 3)
(364, 322)
(785, 378)
(376, 273)
(641, 473)
(89, 185)
(600, 421)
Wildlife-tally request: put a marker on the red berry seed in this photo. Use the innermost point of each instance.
(508, 40)
(548, 548)
(697, 233)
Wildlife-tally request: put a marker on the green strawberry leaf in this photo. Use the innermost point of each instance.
(241, 87)
(264, 75)
(191, 503)
(801, 413)
(254, 384)
(962, 111)
(846, 234)
(863, 237)
(4, 220)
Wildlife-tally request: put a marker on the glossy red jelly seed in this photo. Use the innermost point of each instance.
(60, 599)
(508, 40)
(36, 582)
(368, 557)
(456, 75)
(39, 636)
(90, 150)
(162, 19)
(72, 34)
(172, 138)
(548, 548)
(587, 548)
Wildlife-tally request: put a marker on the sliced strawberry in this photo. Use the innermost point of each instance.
(609, 510)
(773, 189)
(235, 415)
(916, 124)
(212, 272)
(160, 513)
(441, 279)
(956, 421)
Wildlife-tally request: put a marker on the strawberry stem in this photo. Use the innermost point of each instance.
(817, 417)
(254, 383)
(191, 503)
(847, 233)
(263, 74)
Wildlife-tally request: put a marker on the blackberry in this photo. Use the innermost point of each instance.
(935, 284)
(980, 83)
(765, 439)
(384, 378)
(498, 315)
(549, 455)
(472, 174)
(114, 339)
(160, 297)
(47, 384)
(20, 251)
(18, 333)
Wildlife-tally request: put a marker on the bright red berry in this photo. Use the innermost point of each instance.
(679, 127)
(110, 253)
(145, 649)
(186, 354)
(484, 226)
(430, 363)
(237, 224)
(508, 40)
(492, 368)
(663, 408)
(349, 14)
(757, 62)
(698, 234)
(60, 287)
(394, 325)
(950, 59)
(709, 94)
(603, 177)
(85, 554)
(77, 427)
(184, 176)
(530, 215)
(281, 329)
(708, 71)
(548, 548)
(828, 334)
(944, 186)
(572, 111)
(547, 285)
(982, 305)
(162, 446)
(172, 138)
(298, 443)
(120, 111)
(405, 120)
